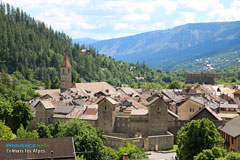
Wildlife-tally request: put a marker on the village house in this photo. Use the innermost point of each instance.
(192, 105)
(230, 132)
(150, 118)
(121, 117)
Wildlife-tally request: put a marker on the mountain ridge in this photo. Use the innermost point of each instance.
(158, 48)
(86, 40)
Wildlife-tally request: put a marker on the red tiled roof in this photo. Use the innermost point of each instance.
(66, 63)
(76, 112)
(237, 92)
(91, 111)
(95, 87)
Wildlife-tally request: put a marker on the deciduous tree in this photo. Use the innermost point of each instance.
(5, 132)
(196, 136)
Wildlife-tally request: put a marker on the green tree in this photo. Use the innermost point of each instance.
(196, 136)
(175, 85)
(55, 129)
(24, 134)
(111, 153)
(233, 156)
(86, 138)
(5, 111)
(43, 130)
(211, 154)
(132, 150)
(21, 114)
(5, 132)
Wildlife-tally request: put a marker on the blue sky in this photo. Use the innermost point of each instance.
(104, 19)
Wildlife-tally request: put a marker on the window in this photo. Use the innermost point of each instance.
(191, 110)
(62, 70)
(49, 120)
(68, 70)
(232, 140)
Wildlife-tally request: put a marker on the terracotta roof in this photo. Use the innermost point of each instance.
(66, 63)
(91, 111)
(76, 112)
(237, 92)
(173, 96)
(51, 92)
(129, 91)
(95, 87)
(99, 99)
(111, 100)
(136, 105)
(47, 104)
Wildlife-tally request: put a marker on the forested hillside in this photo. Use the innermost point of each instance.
(36, 51)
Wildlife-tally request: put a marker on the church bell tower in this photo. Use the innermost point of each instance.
(66, 74)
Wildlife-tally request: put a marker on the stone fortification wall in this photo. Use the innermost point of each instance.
(162, 142)
(122, 124)
(203, 77)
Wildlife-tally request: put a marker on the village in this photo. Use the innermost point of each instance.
(150, 118)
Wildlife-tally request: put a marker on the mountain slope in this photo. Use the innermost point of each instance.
(167, 48)
(36, 52)
(85, 41)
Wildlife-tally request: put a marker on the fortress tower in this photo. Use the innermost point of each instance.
(66, 74)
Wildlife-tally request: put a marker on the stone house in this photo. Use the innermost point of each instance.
(146, 125)
(206, 112)
(44, 112)
(236, 96)
(189, 108)
(230, 132)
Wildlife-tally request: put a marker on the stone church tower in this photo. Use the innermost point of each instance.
(66, 74)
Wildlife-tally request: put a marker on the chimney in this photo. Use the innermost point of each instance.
(125, 156)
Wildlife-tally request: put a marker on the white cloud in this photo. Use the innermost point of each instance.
(61, 19)
(226, 14)
(124, 26)
(129, 6)
(138, 28)
(197, 5)
(137, 17)
(47, 3)
(188, 17)
(169, 5)
(150, 27)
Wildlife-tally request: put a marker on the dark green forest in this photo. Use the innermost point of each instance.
(36, 51)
